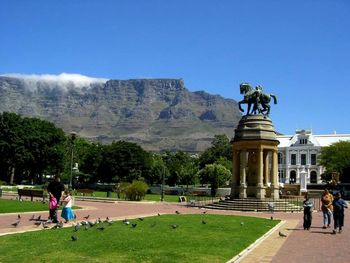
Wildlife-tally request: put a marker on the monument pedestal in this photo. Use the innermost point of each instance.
(255, 161)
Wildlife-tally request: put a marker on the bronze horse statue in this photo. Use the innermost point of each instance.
(257, 98)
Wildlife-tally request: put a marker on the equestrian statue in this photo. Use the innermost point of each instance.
(256, 98)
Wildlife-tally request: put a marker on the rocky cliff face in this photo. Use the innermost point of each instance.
(158, 114)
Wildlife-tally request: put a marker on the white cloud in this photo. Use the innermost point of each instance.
(63, 80)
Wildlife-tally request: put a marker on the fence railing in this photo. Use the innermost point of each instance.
(291, 204)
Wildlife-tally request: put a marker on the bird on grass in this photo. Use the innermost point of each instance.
(91, 224)
(204, 222)
(174, 226)
(177, 212)
(101, 228)
(77, 227)
(242, 223)
(134, 225)
(126, 222)
(15, 224)
(74, 238)
(281, 234)
(271, 217)
(141, 219)
(87, 227)
(158, 214)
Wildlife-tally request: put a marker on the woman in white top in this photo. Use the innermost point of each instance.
(67, 212)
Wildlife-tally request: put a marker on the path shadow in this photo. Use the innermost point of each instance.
(320, 232)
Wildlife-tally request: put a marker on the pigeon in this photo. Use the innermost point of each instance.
(60, 224)
(74, 238)
(87, 227)
(101, 228)
(18, 216)
(204, 212)
(271, 218)
(37, 223)
(99, 220)
(15, 224)
(110, 222)
(174, 226)
(158, 214)
(44, 224)
(242, 223)
(204, 222)
(32, 218)
(48, 221)
(87, 217)
(134, 225)
(84, 223)
(91, 224)
(141, 219)
(177, 212)
(281, 234)
(77, 227)
(39, 218)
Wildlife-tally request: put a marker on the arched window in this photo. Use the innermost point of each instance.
(313, 177)
(292, 177)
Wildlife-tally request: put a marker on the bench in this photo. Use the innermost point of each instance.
(85, 191)
(199, 193)
(31, 193)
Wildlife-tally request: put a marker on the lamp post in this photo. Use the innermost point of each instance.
(72, 137)
(163, 182)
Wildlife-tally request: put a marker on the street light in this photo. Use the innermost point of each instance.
(73, 137)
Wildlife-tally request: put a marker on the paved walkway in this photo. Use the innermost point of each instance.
(316, 245)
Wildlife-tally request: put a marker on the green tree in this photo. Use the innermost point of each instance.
(336, 158)
(220, 148)
(216, 174)
(124, 162)
(158, 170)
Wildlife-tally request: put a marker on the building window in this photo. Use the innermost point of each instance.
(303, 159)
(313, 159)
(303, 141)
(281, 176)
(280, 158)
(313, 177)
(292, 177)
(293, 159)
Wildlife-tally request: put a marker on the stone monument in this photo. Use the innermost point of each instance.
(255, 167)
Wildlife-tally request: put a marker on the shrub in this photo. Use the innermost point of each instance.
(135, 191)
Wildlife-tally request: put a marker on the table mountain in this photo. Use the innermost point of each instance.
(158, 114)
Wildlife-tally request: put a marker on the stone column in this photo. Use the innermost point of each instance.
(274, 175)
(266, 167)
(235, 175)
(260, 189)
(243, 167)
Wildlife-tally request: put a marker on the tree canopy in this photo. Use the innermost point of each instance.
(336, 158)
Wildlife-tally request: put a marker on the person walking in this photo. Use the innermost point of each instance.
(327, 208)
(338, 212)
(67, 211)
(307, 213)
(55, 190)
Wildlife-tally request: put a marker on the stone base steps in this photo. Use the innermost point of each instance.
(281, 205)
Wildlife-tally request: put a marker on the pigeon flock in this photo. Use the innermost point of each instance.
(86, 224)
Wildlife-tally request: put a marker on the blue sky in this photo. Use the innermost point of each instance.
(298, 50)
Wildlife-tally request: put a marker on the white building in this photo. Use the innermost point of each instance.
(299, 153)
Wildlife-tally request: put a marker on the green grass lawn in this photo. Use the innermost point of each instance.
(152, 240)
(16, 206)
(148, 197)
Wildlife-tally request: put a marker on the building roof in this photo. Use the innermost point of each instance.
(313, 140)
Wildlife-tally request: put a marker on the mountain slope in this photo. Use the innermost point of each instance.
(158, 114)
